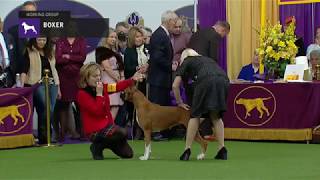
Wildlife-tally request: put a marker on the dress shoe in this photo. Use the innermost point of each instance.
(159, 137)
(186, 155)
(222, 154)
(96, 151)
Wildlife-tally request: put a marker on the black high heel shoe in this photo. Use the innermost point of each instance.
(222, 154)
(186, 154)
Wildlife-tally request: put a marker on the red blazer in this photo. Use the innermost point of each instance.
(95, 110)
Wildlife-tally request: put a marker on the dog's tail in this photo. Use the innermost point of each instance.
(266, 98)
(20, 105)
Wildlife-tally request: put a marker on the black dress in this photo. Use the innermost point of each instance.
(210, 85)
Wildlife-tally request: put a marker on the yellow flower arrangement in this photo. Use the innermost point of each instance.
(277, 47)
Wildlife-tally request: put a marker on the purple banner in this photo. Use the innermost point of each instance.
(316, 16)
(274, 106)
(209, 12)
(16, 111)
(282, 2)
(303, 14)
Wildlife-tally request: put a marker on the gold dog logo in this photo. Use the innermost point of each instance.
(12, 111)
(254, 105)
(257, 103)
(14, 117)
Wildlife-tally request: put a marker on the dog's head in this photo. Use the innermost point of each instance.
(129, 93)
(240, 101)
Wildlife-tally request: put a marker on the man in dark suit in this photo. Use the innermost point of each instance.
(6, 54)
(160, 63)
(206, 41)
(20, 43)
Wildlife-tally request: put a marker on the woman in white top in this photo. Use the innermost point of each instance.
(314, 46)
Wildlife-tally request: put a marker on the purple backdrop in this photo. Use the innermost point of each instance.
(303, 14)
(187, 11)
(317, 15)
(210, 11)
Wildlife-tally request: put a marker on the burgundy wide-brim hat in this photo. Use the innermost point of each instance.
(289, 20)
(103, 53)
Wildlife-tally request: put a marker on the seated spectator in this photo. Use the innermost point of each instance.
(314, 46)
(314, 60)
(98, 124)
(299, 42)
(247, 72)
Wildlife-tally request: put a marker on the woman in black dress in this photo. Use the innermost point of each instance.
(210, 85)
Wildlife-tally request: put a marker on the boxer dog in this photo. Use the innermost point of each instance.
(153, 117)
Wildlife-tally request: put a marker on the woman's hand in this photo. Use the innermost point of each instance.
(66, 56)
(143, 69)
(138, 77)
(99, 89)
(174, 65)
(59, 93)
(184, 106)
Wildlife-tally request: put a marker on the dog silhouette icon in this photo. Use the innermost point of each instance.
(27, 27)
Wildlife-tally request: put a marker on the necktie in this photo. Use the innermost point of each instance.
(172, 41)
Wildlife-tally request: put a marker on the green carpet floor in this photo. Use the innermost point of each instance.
(247, 160)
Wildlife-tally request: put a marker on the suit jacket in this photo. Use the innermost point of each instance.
(131, 61)
(9, 44)
(10, 80)
(247, 73)
(179, 44)
(301, 49)
(160, 63)
(19, 46)
(206, 42)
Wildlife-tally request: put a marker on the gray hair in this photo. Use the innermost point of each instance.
(223, 24)
(28, 3)
(186, 53)
(167, 16)
(316, 53)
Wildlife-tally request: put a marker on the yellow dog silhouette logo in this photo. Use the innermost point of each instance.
(12, 111)
(251, 104)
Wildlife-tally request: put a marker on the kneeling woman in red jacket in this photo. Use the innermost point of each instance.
(95, 112)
